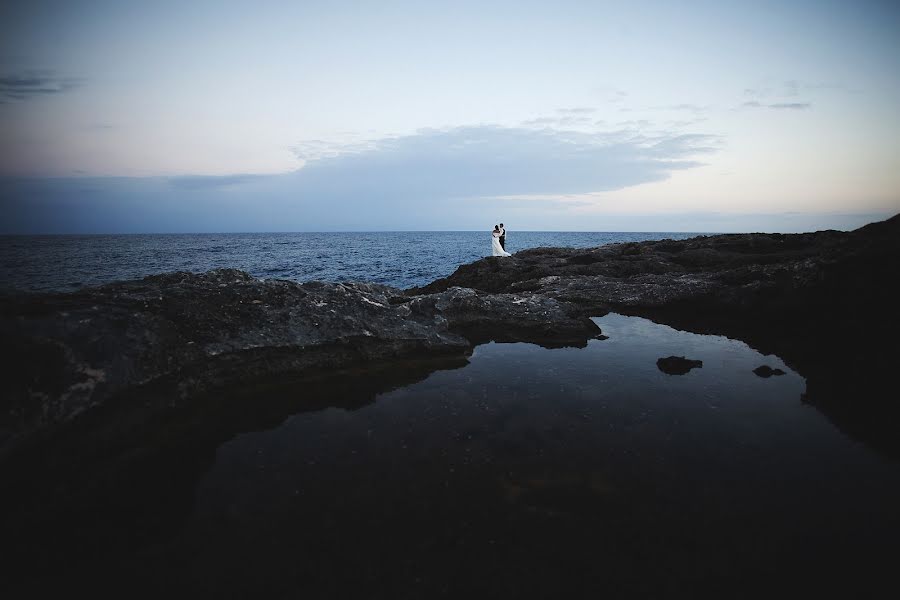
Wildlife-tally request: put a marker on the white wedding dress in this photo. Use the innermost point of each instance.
(496, 247)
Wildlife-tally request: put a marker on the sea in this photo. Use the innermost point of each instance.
(402, 259)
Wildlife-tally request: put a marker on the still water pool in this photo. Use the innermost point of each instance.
(544, 473)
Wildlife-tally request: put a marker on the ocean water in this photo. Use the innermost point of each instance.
(400, 259)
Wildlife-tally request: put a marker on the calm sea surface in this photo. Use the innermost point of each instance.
(400, 259)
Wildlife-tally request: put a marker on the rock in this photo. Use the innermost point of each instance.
(77, 351)
(783, 294)
(524, 317)
(195, 332)
(767, 371)
(677, 365)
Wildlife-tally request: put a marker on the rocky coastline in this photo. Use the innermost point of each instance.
(111, 390)
(819, 300)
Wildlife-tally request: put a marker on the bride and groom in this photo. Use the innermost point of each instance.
(498, 241)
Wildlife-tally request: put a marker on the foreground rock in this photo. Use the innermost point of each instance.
(185, 333)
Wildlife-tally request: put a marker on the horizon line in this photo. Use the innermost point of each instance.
(358, 231)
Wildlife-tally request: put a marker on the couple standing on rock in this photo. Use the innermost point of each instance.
(498, 241)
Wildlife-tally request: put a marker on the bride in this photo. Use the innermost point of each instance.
(495, 243)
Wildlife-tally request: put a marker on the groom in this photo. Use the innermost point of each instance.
(502, 237)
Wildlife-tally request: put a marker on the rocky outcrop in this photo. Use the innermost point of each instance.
(823, 302)
(736, 271)
(186, 334)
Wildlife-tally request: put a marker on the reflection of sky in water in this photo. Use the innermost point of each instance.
(519, 461)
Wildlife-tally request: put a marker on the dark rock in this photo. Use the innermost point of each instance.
(77, 351)
(677, 365)
(783, 294)
(527, 317)
(68, 353)
(767, 371)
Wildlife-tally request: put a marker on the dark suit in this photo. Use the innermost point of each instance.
(503, 238)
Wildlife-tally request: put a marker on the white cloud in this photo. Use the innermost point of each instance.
(429, 179)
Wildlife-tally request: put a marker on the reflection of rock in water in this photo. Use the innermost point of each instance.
(117, 479)
(76, 352)
(783, 294)
(677, 365)
(767, 371)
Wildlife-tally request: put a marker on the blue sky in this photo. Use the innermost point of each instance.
(289, 116)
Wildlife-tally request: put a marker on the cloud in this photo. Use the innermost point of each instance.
(581, 110)
(316, 149)
(694, 108)
(641, 123)
(685, 123)
(542, 121)
(492, 160)
(23, 86)
(559, 122)
(791, 105)
(608, 93)
(431, 179)
(778, 105)
(780, 89)
(787, 91)
(198, 182)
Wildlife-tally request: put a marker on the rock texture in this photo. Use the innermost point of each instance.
(67, 353)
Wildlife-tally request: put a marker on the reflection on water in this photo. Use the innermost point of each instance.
(538, 472)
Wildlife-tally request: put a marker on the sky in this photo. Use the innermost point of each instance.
(141, 117)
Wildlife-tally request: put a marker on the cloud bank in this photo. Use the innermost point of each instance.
(433, 179)
(22, 86)
(779, 105)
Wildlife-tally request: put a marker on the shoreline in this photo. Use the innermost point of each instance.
(180, 335)
(109, 388)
